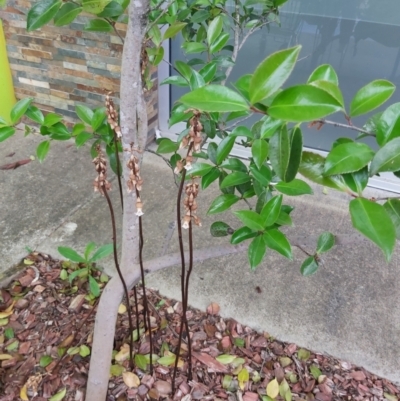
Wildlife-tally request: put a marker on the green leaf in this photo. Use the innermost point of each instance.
(84, 113)
(225, 359)
(167, 360)
(269, 127)
(347, 158)
(242, 234)
(219, 43)
(208, 71)
(386, 158)
(222, 202)
(284, 219)
(210, 177)
(325, 242)
(272, 73)
(98, 118)
(373, 221)
(392, 207)
(94, 6)
(315, 371)
(279, 152)
(19, 109)
(312, 167)
(277, 241)
(256, 251)
(184, 69)
(331, 89)
(67, 13)
(59, 396)
(90, 247)
(212, 152)
(167, 146)
(51, 119)
(296, 150)
(71, 254)
(98, 25)
(309, 266)
(234, 164)
(220, 229)
(242, 131)
(303, 103)
(155, 34)
(199, 169)
(295, 187)
(42, 150)
(111, 10)
(194, 47)
(324, 72)
(76, 273)
(34, 114)
(102, 252)
(42, 13)
(271, 210)
(141, 361)
(173, 30)
(6, 132)
(371, 96)
(94, 286)
(59, 132)
(84, 350)
(262, 175)
(250, 219)
(215, 98)
(214, 30)
(82, 138)
(45, 360)
(357, 181)
(224, 148)
(388, 125)
(234, 179)
(259, 151)
(175, 80)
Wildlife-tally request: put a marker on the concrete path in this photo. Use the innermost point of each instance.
(349, 309)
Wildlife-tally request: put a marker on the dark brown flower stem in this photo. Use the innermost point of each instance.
(136, 309)
(118, 171)
(114, 238)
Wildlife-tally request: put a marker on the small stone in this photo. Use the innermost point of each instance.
(163, 387)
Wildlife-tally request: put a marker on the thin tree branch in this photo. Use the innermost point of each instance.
(148, 28)
(119, 171)
(112, 23)
(235, 41)
(340, 125)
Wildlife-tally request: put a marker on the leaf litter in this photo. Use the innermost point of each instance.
(46, 333)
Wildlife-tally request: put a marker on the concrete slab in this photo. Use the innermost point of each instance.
(349, 309)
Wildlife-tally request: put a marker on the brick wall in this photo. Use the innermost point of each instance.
(65, 66)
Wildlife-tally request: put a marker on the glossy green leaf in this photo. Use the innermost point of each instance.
(309, 266)
(357, 181)
(42, 150)
(208, 71)
(234, 164)
(262, 175)
(67, 13)
(90, 247)
(331, 89)
(279, 152)
(296, 150)
(94, 286)
(112, 10)
(45, 360)
(215, 98)
(324, 72)
(6, 132)
(212, 152)
(388, 125)
(102, 252)
(272, 73)
(84, 113)
(184, 69)
(52, 118)
(173, 30)
(250, 219)
(82, 138)
(242, 234)
(194, 47)
(347, 158)
(259, 151)
(219, 43)
(98, 118)
(34, 114)
(167, 146)
(256, 251)
(176, 80)
(271, 210)
(373, 221)
(242, 131)
(84, 350)
(371, 96)
(325, 242)
(98, 25)
(70, 254)
(303, 103)
(312, 167)
(224, 148)
(94, 6)
(392, 207)
(155, 34)
(235, 178)
(295, 187)
(214, 29)
(277, 241)
(284, 219)
(220, 229)
(222, 203)
(19, 109)
(386, 158)
(141, 361)
(199, 169)
(59, 396)
(42, 13)
(210, 177)
(269, 127)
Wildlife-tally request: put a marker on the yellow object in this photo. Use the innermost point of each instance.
(7, 96)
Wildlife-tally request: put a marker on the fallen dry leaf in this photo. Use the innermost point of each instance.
(131, 380)
(213, 308)
(13, 166)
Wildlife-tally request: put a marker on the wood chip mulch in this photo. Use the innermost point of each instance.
(46, 332)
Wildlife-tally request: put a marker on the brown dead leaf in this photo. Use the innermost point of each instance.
(358, 375)
(131, 380)
(13, 166)
(248, 396)
(210, 362)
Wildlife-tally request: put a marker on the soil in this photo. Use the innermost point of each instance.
(46, 332)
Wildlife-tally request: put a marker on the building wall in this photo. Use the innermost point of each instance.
(64, 66)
